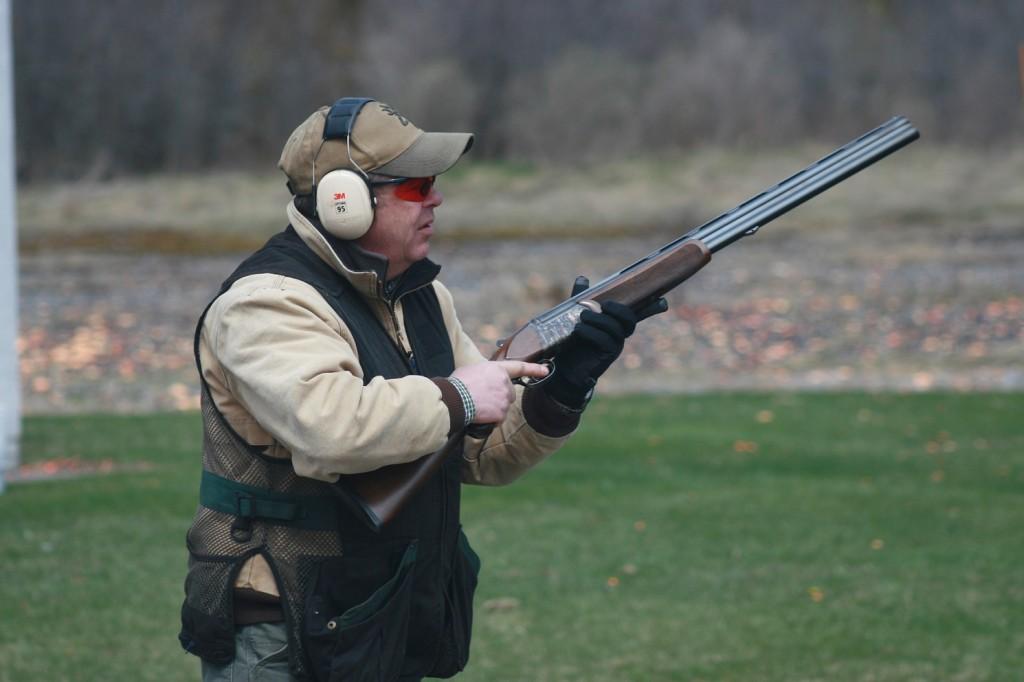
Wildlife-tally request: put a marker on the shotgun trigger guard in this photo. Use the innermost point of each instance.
(531, 381)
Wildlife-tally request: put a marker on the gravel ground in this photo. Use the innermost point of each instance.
(897, 309)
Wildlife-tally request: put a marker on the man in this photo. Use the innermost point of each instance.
(333, 350)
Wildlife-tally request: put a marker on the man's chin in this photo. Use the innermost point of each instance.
(422, 246)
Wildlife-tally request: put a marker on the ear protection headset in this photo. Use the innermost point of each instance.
(344, 199)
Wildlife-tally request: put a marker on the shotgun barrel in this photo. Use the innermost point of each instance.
(783, 197)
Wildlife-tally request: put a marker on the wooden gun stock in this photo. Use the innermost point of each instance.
(379, 495)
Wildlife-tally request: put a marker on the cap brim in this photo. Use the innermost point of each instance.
(430, 154)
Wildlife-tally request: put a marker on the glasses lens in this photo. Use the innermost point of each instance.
(414, 189)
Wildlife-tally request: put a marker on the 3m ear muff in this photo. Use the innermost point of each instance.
(344, 199)
(344, 204)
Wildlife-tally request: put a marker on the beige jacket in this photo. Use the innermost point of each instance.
(282, 368)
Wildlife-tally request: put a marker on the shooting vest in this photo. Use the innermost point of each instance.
(358, 605)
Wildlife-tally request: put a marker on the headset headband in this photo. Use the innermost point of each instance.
(342, 117)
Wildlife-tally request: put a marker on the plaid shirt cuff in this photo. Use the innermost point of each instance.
(467, 400)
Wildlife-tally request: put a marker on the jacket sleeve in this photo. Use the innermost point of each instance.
(290, 362)
(534, 428)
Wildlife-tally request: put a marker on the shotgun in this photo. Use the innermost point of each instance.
(378, 495)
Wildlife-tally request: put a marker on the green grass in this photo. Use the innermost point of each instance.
(720, 537)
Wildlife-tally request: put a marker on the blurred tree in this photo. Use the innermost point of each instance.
(688, 103)
(126, 87)
(170, 85)
(585, 106)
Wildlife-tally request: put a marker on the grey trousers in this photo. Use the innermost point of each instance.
(261, 655)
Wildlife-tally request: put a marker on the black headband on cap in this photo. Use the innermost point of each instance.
(342, 117)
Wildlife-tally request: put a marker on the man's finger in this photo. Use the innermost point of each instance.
(655, 307)
(580, 285)
(516, 369)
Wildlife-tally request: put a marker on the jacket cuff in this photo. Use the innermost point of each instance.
(568, 393)
(547, 416)
(453, 401)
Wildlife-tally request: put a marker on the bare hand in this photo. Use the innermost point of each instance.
(490, 385)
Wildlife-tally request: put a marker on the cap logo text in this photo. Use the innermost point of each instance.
(390, 111)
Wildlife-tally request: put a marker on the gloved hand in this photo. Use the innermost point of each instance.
(594, 345)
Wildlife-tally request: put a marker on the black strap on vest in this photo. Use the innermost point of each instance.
(439, 587)
(286, 254)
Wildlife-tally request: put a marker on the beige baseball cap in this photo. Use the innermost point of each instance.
(383, 141)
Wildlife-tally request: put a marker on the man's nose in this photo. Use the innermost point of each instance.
(434, 199)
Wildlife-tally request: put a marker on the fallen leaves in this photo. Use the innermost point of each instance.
(114, 332)
(71, 467)
(183, 398)
(501, 604)
(745, 446)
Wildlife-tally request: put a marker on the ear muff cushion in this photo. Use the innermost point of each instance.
(344, 204)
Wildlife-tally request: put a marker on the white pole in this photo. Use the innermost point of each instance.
(10, 382)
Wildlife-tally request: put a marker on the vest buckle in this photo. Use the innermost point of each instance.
(241, 527)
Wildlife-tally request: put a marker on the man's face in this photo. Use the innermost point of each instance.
(401, 229)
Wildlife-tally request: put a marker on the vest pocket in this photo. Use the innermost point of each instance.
(458, 618)
(207, 624)
(357, 614)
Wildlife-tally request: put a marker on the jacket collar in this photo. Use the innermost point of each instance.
(363, 269)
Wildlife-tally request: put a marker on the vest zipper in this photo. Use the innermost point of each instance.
(447, 561)
(398, 341)
(443, 530)
(409, 356)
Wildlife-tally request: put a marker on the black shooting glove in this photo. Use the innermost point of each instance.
(594, 345)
